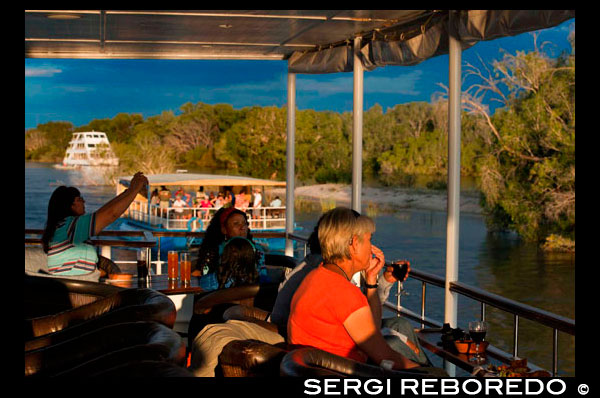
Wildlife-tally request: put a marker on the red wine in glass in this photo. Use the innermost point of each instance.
(477, 331)
(477, 336)
(399, 271)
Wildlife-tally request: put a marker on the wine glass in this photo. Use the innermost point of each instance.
(477, 331)
(399, 270)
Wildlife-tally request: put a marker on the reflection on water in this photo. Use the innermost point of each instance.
(498, 263)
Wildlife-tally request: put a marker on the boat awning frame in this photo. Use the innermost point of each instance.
(312, 41)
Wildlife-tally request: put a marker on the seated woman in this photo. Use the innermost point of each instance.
(68, 227)
(327, 310)
(398, 331)
(226, 223)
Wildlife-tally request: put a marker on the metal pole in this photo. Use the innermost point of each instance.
(357, 134)
(149, 197)
(291, 157)
(516, 338)
(357, 128)
(452, 230)
(555, 353)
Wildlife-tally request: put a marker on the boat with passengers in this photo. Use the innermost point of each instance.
(146, 214)
(323, 41)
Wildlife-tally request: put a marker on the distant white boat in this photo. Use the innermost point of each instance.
(89, 148)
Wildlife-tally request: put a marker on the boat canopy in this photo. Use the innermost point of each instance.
(313, 41)
(189, 179)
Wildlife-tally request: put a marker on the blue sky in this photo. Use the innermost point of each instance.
(82, 90)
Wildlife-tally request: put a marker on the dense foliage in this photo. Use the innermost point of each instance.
(523, 155)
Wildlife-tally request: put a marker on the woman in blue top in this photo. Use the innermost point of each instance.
(68, 227)
(226, 223)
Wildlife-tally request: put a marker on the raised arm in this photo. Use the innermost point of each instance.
(116, 206)
(362, 329)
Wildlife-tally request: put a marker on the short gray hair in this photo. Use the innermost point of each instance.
(336, 230)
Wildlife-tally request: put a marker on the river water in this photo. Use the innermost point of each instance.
(499, 263)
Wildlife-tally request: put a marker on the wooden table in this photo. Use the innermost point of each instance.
(430, 337)
(160, 283)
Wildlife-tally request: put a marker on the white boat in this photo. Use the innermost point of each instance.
(89, 148)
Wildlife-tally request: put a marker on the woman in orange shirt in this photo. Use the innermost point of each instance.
(327, 310)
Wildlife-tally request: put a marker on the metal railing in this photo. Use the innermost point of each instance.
(518, 310)
(197, 218)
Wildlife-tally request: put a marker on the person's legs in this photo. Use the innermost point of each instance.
(407, 342)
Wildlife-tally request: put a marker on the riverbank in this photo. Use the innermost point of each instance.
(385, 198)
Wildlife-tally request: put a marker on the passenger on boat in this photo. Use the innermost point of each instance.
(68, 227)
(219, 201)
(200, 194)
(205, 204)
(241, 201)
(154, 198)
(400, 334)
(229, 199)
(327, 310)
(226, 223)
(257, 203)
(183, 195)
(164, 196)
(275, 202)
(179, 205)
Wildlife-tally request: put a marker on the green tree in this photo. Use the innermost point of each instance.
(256, 145)
(323, 152)
(528, 173)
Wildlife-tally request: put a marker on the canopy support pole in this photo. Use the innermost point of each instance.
(453, 225)
(148, 205)
(357, 135)
(357, 128)
(290, 161)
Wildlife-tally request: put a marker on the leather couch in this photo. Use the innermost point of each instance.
(106, 347)
(251, 358)
(57, 309)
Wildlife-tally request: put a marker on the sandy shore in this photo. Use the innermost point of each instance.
(392, 198)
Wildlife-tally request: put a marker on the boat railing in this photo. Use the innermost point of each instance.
(197, 218)
(518, 310)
